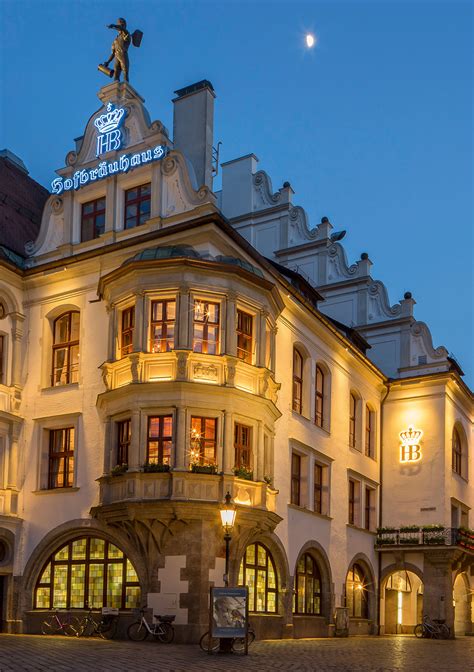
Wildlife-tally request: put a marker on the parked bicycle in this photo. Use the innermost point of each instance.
(105, 627)
(432, 629)
(238, 643)
(59, 623)
(162, 629)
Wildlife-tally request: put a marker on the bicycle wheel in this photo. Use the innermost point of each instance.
(166, 634)
(108, 629)
(73, 627)
(50, 626)
(419, 630)
(445, 631)
(208, 643)
(137, 632)
(238, 644)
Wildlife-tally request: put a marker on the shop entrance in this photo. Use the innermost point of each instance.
(403, 602)
(462, 606)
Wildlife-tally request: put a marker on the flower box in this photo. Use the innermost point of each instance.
(204, 468)
(153, 468)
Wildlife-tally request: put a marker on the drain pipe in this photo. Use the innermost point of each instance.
(379, 578)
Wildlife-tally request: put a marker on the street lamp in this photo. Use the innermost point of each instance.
(228, 514)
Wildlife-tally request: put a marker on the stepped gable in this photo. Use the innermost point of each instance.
(21, 204)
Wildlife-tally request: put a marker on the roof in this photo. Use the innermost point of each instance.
(22, 201)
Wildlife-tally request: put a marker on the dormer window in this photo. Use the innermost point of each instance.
(137, 206)
(93, 219)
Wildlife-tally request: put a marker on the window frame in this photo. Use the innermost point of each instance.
(255, 567)
(240, 447)
(164, 322)
(123, 442)
(351, 604)
(353, 420)
(244, 338)
(67, 455)
(199, 444)
(295, 489)
(369, 432)
(457, 453)
(318, 487)
(319, 405)
(160, 439)
(352, 502)
(127, 331)
(71, 370)
(93, 217)
(297, 390)
(136, 201)
(206, 324)
(315, 573)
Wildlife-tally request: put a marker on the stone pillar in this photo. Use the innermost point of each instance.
(228, 457)
(17, 334)
(262, 338)
(12, 480)
(156, 196)
(181, 443)
(113, 331)
(138, 329)
(231, 324)
(438, 586)
(135, 458)
(183, 310)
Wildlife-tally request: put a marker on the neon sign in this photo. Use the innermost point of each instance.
(122, 164)
(109, 137)
(410, 450)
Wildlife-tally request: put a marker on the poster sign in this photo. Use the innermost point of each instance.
(229, 612)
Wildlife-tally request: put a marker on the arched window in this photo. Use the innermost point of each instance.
(297, 381)
(257, 571)
(65, 349)
(319, 398)
(356, 592)
(353, 420)
(457, 452)
(307, 595)
(88, 571)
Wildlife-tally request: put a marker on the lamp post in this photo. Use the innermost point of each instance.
(228, 514)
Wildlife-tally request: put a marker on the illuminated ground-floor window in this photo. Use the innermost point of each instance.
(257, 571)
(356, 592)
(88, 572)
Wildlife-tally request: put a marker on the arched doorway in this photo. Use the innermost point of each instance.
(462, 605)
(403, 602)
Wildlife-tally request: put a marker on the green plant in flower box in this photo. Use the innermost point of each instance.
(119, 469)
(155, 468)
(242, 472)
(204, 468)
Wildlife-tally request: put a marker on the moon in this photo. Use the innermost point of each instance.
(310, 41)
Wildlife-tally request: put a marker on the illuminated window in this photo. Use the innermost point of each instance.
(61, 458)
(352, 420)
(244, 336)
(369, 432)
(163, 316)
(137, 206)
(206, 327)
(243, 446)
(88, 572)
(295, 479)
(307, 596)
(159, 439)
(356, 592)
(457, 452)
(297, 381)
(203, 440)
(124, 432)
(319, 400)
(257, 571)
(65, 349)
(126, 332)
(93, 219)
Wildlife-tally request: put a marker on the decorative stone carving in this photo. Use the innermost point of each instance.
(71, 158)
(263, 187)
(230, 374)
(206, 371)
(421, 330)
(181, 365)
(57, 206)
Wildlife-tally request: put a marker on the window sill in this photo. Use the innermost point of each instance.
(372, 533)
(54, 388)
(325, 430)
(463, 478)
(295, 414)
(303, 509)
(55, 491)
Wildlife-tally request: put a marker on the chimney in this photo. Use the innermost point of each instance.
(193, 128)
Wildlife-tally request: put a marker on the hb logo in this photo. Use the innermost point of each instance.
(410, 453)
(109, 141)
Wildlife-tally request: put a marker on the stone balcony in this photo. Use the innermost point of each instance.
(188, 366)
(183, 486)
(424, 538)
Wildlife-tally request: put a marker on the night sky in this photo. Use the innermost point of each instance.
(372, 127)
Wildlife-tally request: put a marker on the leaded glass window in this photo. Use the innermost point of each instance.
(257, 571)
(88, 572)
(307, 595)
(356, 592)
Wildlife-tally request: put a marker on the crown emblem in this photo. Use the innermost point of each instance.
(411, 437)
(110, 121)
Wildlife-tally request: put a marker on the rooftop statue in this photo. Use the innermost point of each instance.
(120, 47)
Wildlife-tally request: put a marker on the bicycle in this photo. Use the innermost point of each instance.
(429, 629)
(54, 624)
(162, 630)
(106, 627)
(238, 643)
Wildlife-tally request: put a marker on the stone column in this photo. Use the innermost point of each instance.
(183, 310)
(228, 456)
(17, 334)
(231, 325)
(156, 196)
(262, 337)
(180, 441)
(135, 457)
(12, 480)
(438, 585)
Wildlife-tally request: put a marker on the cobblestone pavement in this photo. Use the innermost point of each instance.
(22, 653)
